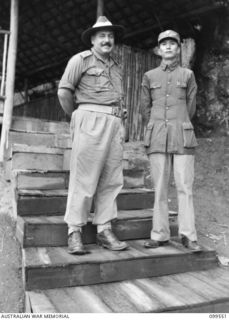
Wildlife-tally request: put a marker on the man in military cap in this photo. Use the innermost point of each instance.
(94, 79)
(168, 103)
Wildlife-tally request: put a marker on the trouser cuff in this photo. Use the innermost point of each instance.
(102, 227)
(74, 228)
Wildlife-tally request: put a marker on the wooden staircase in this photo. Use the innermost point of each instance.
(165, 279)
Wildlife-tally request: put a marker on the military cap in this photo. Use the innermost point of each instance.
(169, 34)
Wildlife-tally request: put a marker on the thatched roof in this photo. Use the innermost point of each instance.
(50, 30)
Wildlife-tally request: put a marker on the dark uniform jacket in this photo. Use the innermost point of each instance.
(168, 102)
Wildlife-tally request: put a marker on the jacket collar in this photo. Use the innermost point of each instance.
(170, 67)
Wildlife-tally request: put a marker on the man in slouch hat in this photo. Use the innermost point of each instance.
(92, 81)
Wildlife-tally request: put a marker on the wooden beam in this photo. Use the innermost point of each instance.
(6, 35)
(10, 77)
(166, 21)
(100, 8)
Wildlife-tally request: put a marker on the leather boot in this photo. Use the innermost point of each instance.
(108, 240)
(191, 245)
(149, 244)
(75, 244)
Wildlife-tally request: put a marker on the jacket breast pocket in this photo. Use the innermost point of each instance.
(181, 89)
(189, 135)
(148, 134)
(95, 77)
(155, 89)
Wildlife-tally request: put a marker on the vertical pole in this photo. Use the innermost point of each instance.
(100, 7)
(4, 64)
(10, 77)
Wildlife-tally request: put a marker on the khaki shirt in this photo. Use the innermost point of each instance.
(168, 102)
(92, 80)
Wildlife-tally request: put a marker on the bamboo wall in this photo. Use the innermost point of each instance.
(135, 62)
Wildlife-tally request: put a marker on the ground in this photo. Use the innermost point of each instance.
(211, 198)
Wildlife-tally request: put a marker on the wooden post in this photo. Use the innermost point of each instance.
(100, 7)
(6, 35)
(10, 77)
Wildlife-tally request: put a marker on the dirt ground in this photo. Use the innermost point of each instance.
(211, 199)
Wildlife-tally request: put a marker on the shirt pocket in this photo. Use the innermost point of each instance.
(96, 77)
(148, 134)
(189, 135)
(155, 89)
(181, 89)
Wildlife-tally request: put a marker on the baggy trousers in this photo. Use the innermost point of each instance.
(183, 166)
(95, 167)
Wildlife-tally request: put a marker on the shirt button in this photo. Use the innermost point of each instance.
(167, 108)
(166, 120)
(169, 82)
(167, 95)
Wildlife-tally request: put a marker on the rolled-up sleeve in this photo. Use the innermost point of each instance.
(145, 99)
(72, 73)
(191, 95)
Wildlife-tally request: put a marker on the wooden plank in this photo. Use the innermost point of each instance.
(53, 267)
(39, 125)
(35, 179)
(78, 300)
(37, 202)
(170, 293)
(40, 139)
(219, 279)
(200, 287)
(42, 180)
(23, 148)
(36, 161)
(207, 307)
(52, 230)
(27, 307)
(34, 206)
(113, 297)
(40, 303)
(157, 294)
(36, 139)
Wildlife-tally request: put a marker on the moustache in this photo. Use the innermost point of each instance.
(106, 44)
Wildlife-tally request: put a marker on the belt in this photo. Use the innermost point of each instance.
(113, 110)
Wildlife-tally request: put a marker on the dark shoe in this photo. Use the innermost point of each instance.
(191, 245)
(75, 244)
(155, 244)
(108, 240)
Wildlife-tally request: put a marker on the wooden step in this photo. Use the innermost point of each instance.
(52, 231)
(29, 124)
(39, 157)
(48, 139)
(190, 292)
(50, 179)
(53, 202)
(53, 267)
